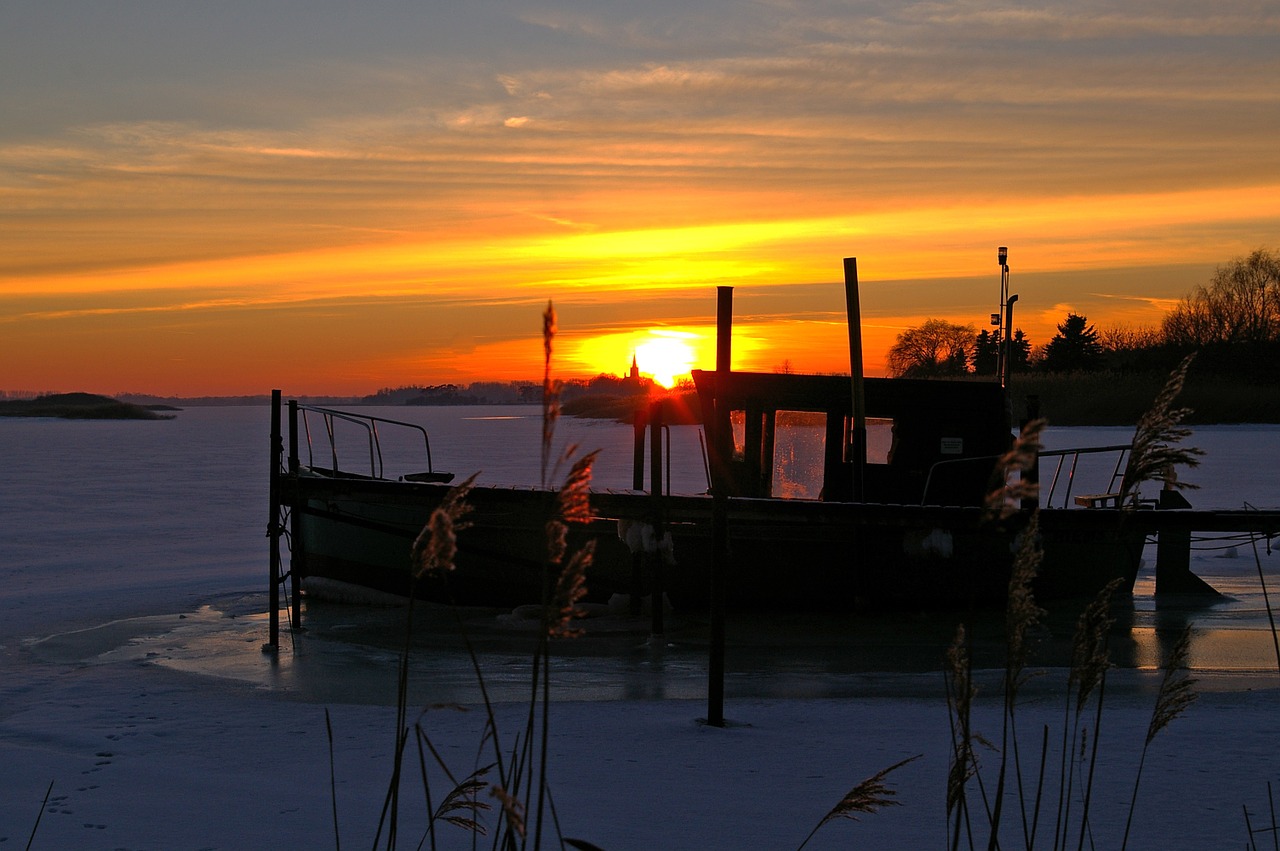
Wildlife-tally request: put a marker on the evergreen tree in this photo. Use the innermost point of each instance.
(1075, 348)
(986, 353)
(1019, 352)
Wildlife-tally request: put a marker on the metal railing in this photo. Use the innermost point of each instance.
(1117, 472)
(1113, 486)
(369, 423)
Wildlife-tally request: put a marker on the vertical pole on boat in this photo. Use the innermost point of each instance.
(655, 494)
(718, 436)
(637, 452)
(298, 549)
(1032, 474)
(273, 528)
(858, 437)
(637, 483)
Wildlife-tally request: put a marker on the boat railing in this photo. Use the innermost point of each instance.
(1064, 470)
(940, 472)
(368, 424)
(1068, 461)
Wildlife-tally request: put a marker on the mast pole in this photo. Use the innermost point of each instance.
(858, 435)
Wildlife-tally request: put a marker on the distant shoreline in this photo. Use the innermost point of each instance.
(1068, 399)
(82, 406)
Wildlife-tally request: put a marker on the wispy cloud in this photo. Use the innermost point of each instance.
(229, 157)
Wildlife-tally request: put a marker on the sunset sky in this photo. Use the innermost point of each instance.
(222, 198)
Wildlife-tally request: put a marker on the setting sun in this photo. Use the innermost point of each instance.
(667, 356)
(664, 354)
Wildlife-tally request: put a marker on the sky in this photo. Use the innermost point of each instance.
(322, 197)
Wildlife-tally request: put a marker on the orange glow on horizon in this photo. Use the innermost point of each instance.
(396, 205)
(333, 302)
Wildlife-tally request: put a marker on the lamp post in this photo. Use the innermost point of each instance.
(1002, 257)
(1006, 345)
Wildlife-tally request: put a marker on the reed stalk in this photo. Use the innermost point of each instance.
(1090, 659)
(43, 806)
(963, 764)
(333, 782)
(1157, 451)
(1176, 694)
(869, 796)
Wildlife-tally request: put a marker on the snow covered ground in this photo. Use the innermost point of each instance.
(132, 679)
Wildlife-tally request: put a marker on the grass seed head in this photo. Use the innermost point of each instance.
(1177, 689)
(1007, 495)
(435, 548)
(575, 493)
(868, 796)
(512, 809)
(571, 587)
(1157, 451)
(1090, 653)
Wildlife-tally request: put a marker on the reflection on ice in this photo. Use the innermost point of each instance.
(349, 654)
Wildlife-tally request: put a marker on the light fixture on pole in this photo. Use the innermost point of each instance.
(1002, 257)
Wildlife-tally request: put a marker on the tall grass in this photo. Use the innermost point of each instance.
(976, 801)
(1157, 449)
(1156, 452)
(517, 777)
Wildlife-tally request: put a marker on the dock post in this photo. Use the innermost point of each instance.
(718, 421)
(1173, 565)
(273, 528)
(1173, 554)
(858, 435)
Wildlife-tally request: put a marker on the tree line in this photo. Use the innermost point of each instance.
(1232, 322)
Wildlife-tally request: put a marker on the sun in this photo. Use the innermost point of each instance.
(667, 356)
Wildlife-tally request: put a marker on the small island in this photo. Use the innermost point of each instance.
(79, 406)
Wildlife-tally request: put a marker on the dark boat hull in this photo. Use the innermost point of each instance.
(784, 554)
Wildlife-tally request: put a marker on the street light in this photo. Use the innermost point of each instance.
(1002, 257)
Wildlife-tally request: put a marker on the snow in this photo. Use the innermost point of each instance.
(132, 679)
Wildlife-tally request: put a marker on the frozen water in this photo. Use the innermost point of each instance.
(132, 588)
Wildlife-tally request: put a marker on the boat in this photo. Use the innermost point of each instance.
(909, 527)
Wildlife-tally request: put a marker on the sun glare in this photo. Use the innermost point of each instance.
(664, 354)
(667, 356)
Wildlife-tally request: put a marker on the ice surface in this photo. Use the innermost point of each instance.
(132, 586)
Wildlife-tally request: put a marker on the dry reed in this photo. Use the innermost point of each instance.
(963, 761)
(1156, 450)
(436, 546)
(571, 588)
(513, 810)
(1176, 695)
(1005, 497)
(550, 391)
(869, 796)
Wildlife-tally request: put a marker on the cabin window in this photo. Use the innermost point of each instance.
(879, 439)
(738, 424)
(798, 446)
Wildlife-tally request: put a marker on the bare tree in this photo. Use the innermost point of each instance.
(1126, 338)
(1241, 304)
(933, 350)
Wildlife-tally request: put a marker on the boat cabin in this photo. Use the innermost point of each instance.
(938, 441)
